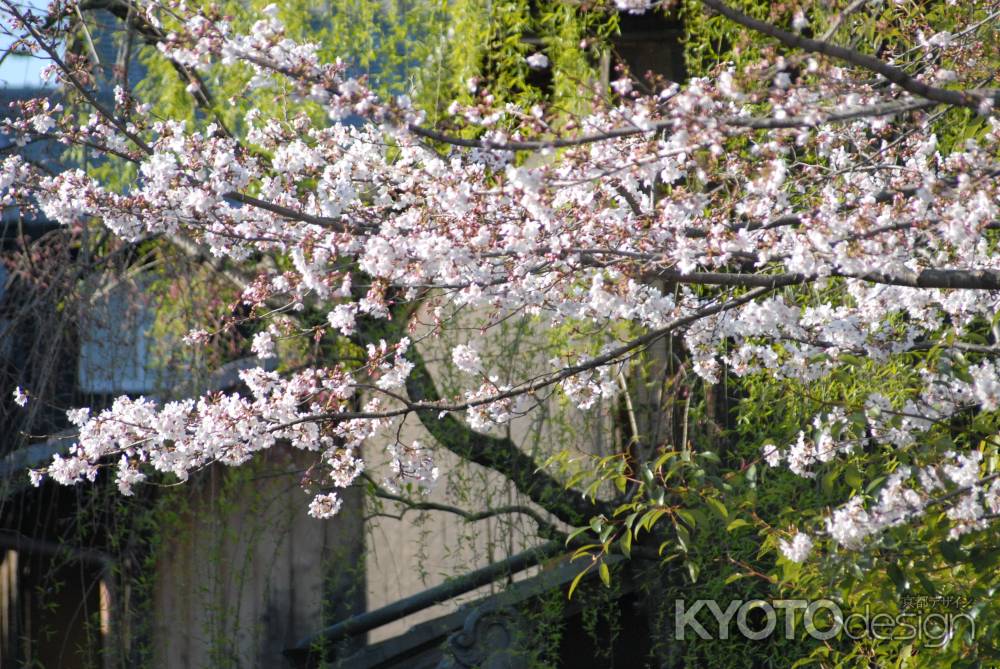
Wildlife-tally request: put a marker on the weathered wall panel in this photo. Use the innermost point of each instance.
(247, 573)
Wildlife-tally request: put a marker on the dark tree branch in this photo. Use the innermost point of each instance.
(545, 528)
(337, 224)
(52, 52)
(497, 453)
(432, 408)
(929, 278)
(754, 123)
(891, 73)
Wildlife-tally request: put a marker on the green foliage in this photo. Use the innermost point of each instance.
(714, 521)
(546, 627)
(713, 512)
(428, 50)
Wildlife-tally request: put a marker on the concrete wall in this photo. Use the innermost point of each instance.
(422, 549)
(247, 573)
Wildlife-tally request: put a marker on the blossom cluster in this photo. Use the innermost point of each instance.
(695, 211)
(182, 436)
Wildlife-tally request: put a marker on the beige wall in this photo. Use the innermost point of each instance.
(408, 555)
(405, 556)
(247, 573)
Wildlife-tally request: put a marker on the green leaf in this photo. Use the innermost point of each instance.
(605, 574)
(732, 578)
(648, 520)
(926, 582)
(904, 654)
(575, 533)
(710, 456)
(659, 497)
(718, 507)
(687, 517)
(625, 542)
(683, 537)
(952, 551)
(693, 571)
(875, 483)
(828, 482)
(898, 579)
(576, 582)
(647, 476)
(622, 509)
(736, 524)
(853, 477)
(662, 460)
(621, 482)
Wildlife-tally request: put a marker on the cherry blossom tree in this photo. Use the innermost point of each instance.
(805, 219)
